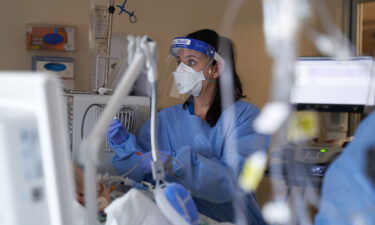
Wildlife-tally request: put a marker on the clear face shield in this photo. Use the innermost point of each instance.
(188, 65)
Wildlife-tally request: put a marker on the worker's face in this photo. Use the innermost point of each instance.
(199, 62)
(194, 83)
(196, 60)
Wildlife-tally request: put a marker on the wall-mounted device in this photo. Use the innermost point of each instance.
(63, 67)
(50, 37)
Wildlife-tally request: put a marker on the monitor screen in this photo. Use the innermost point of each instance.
(37, 181)
(332, 82)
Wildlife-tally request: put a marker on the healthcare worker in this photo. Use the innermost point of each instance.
(198, 137)
(348, 192)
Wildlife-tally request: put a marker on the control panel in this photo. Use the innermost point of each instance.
(316, 155)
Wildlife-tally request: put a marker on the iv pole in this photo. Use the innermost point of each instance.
(89, 149)
(111, 10)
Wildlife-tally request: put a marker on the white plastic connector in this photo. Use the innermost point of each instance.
(148, 47)
(273, 116)
(103, 90)
(276, 213)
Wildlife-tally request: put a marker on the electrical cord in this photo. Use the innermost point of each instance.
(85, 114)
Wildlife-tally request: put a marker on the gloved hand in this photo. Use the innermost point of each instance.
(117, 133)
(147, 158)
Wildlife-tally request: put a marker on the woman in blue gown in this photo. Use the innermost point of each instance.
(199, 139)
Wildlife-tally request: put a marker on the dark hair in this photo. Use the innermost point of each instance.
(222, 45)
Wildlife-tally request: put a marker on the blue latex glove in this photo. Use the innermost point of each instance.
(147, 158)
(117, 133)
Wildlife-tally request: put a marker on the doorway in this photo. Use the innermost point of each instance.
(363, 26)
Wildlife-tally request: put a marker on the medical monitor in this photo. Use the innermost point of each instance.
(36, 185)
(328, 84)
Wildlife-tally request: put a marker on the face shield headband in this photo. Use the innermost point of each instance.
(197, 45)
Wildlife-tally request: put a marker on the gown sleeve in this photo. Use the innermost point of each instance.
(213, 179)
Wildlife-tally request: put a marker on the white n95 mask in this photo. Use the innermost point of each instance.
(188, 81)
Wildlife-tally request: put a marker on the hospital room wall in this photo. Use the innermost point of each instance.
(161, 20)
(16, 14)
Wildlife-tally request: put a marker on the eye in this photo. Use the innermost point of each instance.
(191, 62)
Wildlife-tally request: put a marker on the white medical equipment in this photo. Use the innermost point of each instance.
(84, 110)
(328, 84)
(36, 186)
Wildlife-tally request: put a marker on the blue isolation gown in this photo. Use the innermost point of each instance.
(206, 160)
(348, 195)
